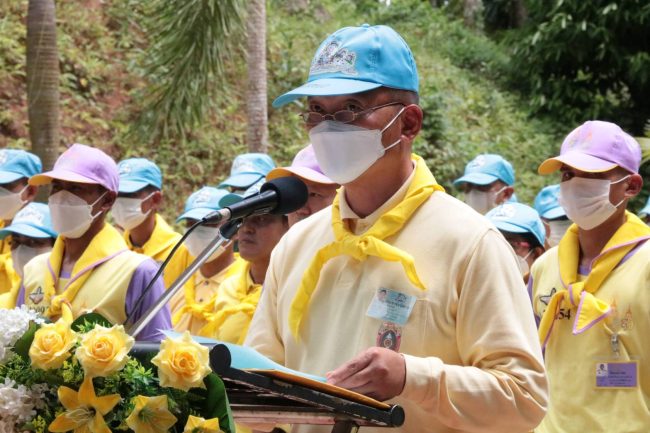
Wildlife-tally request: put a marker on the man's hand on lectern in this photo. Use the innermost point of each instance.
(376, 372)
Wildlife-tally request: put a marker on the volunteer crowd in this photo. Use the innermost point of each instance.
(337, 286)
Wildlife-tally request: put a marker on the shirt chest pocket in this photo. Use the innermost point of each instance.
(430, 329)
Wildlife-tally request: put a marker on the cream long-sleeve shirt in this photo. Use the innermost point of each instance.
(473, 361)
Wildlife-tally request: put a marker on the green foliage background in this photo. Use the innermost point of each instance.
(104, 51)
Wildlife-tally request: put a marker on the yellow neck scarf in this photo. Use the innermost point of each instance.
(248, 295)
(104, 246)
(590, 309)
(370, 243)
(162, 238)
(198, 310)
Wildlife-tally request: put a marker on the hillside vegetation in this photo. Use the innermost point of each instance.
(103, 46)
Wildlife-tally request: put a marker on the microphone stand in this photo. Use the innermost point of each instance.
(226, 232)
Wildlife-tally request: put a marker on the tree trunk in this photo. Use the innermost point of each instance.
(473, 13)
(519, 13)
(256, 103)
(43, 81)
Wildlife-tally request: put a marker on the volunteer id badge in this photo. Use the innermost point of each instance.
(391, 306)
(617, 375)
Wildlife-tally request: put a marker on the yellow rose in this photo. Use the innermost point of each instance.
(51, 345)
(182, 363)
(104, 350)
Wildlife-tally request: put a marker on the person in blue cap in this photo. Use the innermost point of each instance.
(488, 181)
(136, 209)
(645, 212)
(523, 229)
(247, 169)
(16, 167)
(457, 348)
(191, 306)
(553, 214)
(31, 234)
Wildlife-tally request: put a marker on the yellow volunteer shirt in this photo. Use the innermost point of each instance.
(8, 276)
(577, 405)
(234, 306)
(5, 243)
(162, 240)
(205, 290)
(473, 361)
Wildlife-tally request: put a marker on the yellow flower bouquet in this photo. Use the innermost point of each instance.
(84, 377)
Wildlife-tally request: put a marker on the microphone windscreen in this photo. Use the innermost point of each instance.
(292, 194)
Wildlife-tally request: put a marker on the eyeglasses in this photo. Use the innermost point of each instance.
(344, 116)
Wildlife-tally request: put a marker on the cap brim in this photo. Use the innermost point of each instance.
(195, 214)
(326, 87)
(242, 180)
(301, 172)
(476, 178)
(645, 210)
(554, 213)
(577, 160)
(129, 186)
(66, 175)
(230, 199)
(26, 230)
(9, 176)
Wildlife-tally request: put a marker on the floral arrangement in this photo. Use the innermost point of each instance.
(80, 377)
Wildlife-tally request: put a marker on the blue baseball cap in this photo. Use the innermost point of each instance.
(234, 197)
(32, 221)
(247, 169)
(16, 164)
(203, 202)
(487, 168)
(358, 59)
(646, 209)
(518, 218)
(547, 204)
(137, 173)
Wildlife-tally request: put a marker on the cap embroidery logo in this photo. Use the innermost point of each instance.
(29, 215)
(4, 155)
(505, 211)
(478, 162)
(332, 58)
(125, 169)
(202, 197)
(242, 166)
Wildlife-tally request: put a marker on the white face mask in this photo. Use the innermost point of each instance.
(10, 203)
(523, 263)
(558, 228)
(344, 152)
(127, 212)
(586, 201)
(199, 239)
(71, 215)
(482, 201)
(23, 254)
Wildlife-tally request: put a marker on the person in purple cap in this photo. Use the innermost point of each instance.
(592, 291)
(90, 268)
(321, 188)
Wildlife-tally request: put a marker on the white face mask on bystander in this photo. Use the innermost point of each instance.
(71, 215)
(586, 201)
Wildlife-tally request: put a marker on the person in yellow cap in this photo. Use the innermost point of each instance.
(16, 167)
(591, 291)
(321, 189)
(399, 291)
(237, 299)
(192, 305)
(136, 209)
(90, 268)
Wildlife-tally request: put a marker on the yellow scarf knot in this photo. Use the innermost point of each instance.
(580, 294)
(370, 243)
(104, 246)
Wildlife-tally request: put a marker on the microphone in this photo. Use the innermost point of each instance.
(279, 196)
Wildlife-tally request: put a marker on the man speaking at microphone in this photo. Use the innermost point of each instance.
(397, 291)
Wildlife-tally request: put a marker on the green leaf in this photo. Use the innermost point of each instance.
(25, 342)
(216, 403)
(88, 321)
